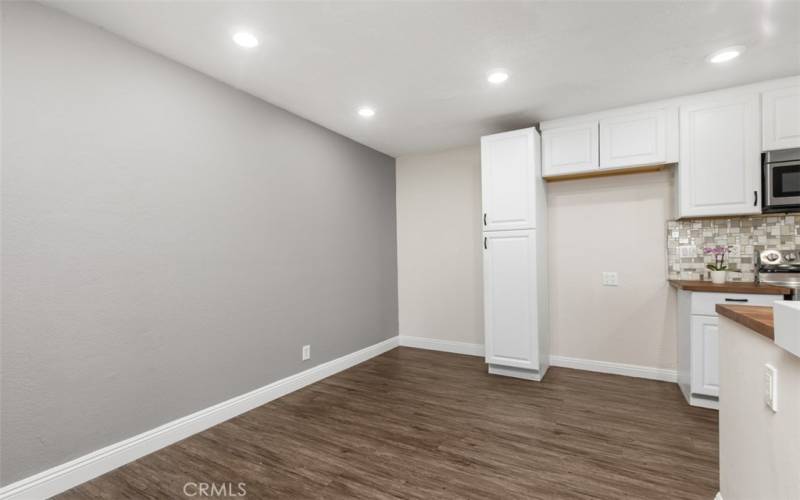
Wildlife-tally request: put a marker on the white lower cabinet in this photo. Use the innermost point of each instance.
(705, 355)
(698, 342)
(509, 268)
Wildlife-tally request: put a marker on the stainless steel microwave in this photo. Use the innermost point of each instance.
(780, 178)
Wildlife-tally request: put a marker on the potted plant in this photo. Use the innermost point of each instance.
(719, 269)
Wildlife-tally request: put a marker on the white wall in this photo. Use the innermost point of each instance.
(438, 245)
(602, 224)
(759, 451)
(612, 224)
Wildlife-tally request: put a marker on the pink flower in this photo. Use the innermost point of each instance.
(717, 250)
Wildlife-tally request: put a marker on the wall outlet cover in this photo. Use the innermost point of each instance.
(610, 278)
(687, 251)
(306, 352)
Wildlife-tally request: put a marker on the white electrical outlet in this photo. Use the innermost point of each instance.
(306, 352)
(610, 279)
(771, 387)
(734, 251)
(687, 251)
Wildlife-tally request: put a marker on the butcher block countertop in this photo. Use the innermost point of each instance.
(731, 287)
(757, 318)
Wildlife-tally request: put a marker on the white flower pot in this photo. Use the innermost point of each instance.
(718, 277)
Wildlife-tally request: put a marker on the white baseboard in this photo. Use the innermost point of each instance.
(82, 469)
(456, 347)
(442, 345)
(65, 476)
(638, 371)
(718, 496)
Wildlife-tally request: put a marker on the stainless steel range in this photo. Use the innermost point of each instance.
(778, 267)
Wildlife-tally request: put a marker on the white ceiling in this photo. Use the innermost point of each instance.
(423, 65)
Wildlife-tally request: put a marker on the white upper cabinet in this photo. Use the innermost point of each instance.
(781, 118)
(720, 158)
(635, 139)
(510, 299)
(611, 140)
(508, 180)
(570, 150)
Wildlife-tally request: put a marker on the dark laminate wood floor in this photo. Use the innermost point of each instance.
(423, 424)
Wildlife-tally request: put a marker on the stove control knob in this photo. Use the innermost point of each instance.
(772, 257)
(790, 256)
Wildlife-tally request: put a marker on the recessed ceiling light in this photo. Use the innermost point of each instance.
(726, 54)
(366, 112)
(245, 39)
(497, 76)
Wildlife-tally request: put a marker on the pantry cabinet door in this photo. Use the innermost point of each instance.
(720, 160)
(510, 300)
(508, 180)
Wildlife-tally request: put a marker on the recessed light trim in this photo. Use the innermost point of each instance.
(726, 54)
(245, 39)
(497, 76)
(366, 112)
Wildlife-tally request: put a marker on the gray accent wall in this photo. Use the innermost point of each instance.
(168, 242)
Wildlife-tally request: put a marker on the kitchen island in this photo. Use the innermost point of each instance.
(757, 318)
(759, 446)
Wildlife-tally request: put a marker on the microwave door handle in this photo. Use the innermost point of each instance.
(767, 185)
(787, 163)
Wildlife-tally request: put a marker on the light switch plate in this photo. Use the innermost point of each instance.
(306, 352)
(771, 387)
(610, 278)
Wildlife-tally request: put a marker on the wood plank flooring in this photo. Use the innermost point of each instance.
(421, 424)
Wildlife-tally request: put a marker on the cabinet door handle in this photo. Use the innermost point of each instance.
(737, 300)
(485, 244)
(484, 218)
(755, 198)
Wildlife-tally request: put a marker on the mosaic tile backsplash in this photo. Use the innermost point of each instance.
(774, 231)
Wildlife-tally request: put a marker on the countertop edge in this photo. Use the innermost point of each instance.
(731, 287)
(757, 318)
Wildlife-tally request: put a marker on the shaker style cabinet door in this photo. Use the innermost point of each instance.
(510, 301)
(705, 355)
(720, 160)
(570, 150)
(781, 118)
(508, 177)
(634, 139)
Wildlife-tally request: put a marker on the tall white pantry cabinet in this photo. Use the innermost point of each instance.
(514, 242)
